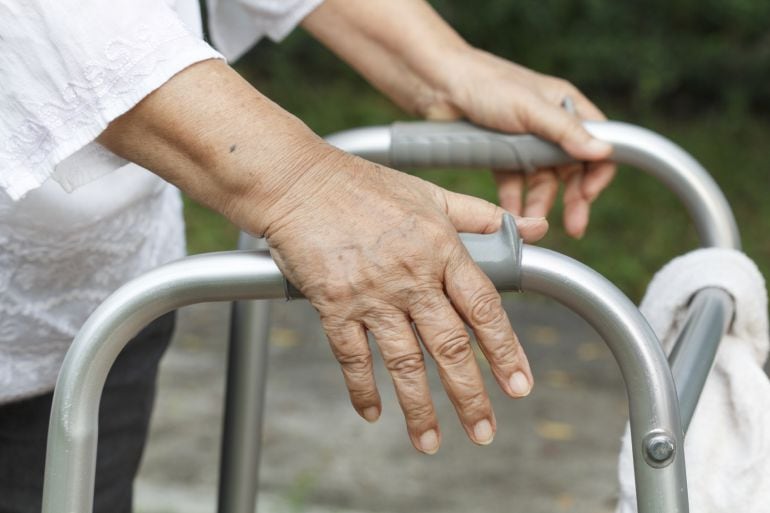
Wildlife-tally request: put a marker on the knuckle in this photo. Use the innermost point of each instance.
(454, 348)
(486, 308)
(474, 403)
(356, 365)
(505, 354)
(562, 84)
(385, 321)
(408, 365)
(565, 87)
(419, 412)
(363, 395)
(572, 89)
(338, 290)
(527, 114)
(570, 128)
(423, 299)
(542, 176)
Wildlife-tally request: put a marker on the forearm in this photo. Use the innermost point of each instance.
(218, 139)
(400, 46)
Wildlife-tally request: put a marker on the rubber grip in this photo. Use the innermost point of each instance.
(497, 254)
(460, 144)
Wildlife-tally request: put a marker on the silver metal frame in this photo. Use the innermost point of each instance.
(633, 145)
(73, 432)
(656, 425)
(244, 398)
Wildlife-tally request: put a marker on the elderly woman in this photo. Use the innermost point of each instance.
(105, 105)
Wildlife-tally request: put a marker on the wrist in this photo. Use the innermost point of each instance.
(444, 96)
(220, 141)
(293, 176)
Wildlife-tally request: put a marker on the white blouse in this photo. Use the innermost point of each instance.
(76, 221)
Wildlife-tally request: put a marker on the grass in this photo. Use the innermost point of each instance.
(637, 225)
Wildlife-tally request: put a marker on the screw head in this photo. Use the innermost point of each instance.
(660, 448)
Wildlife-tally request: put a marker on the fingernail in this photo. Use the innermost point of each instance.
(598, 147)
(371, 414)
(429, 441)
(482, 432)
(520, 384)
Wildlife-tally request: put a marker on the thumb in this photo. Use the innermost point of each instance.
(474, 215)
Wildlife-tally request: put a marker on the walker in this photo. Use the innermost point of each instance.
(659, 411)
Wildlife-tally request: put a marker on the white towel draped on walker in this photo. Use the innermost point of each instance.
(727, 447)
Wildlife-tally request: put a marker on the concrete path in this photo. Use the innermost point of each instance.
(555, 451)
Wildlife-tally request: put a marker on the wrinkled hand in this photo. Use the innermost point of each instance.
(375, 250)
(499, 94)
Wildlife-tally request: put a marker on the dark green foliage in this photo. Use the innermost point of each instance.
(680, 57)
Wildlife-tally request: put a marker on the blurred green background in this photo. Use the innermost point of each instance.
(697, 72)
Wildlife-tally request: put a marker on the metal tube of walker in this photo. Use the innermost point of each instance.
(661, 484)
(246, 380)
(73, 429)
(708, 318)
(71, 455)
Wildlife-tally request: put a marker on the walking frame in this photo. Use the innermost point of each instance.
(659, 411)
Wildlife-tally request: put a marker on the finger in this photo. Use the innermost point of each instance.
(597, 177)
(475, 215)
(404, 360)
(576, 206)
(585, 108)
(510, 187)
(556, 124)
(542, 187)
(351, 349)
(477, 301)
(444, 336)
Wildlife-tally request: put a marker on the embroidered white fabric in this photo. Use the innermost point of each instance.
(68, 68)
(54, 273)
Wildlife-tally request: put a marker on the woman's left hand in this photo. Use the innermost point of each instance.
(496, 93)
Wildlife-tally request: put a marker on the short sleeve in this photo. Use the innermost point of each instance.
(236, 25)
(68, 68)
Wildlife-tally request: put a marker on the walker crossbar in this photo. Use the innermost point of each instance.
(426, 144)
(653, 407)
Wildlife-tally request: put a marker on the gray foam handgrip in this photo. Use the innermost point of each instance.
(460, 144)
(497, 254)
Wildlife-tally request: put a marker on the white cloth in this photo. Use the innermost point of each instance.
(68, 68)
(232, 24)
(727, 447)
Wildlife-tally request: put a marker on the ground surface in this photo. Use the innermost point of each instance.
(554, 452)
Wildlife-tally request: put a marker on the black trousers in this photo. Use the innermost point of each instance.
(124, 416)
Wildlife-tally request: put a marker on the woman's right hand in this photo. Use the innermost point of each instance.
(375, 250)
